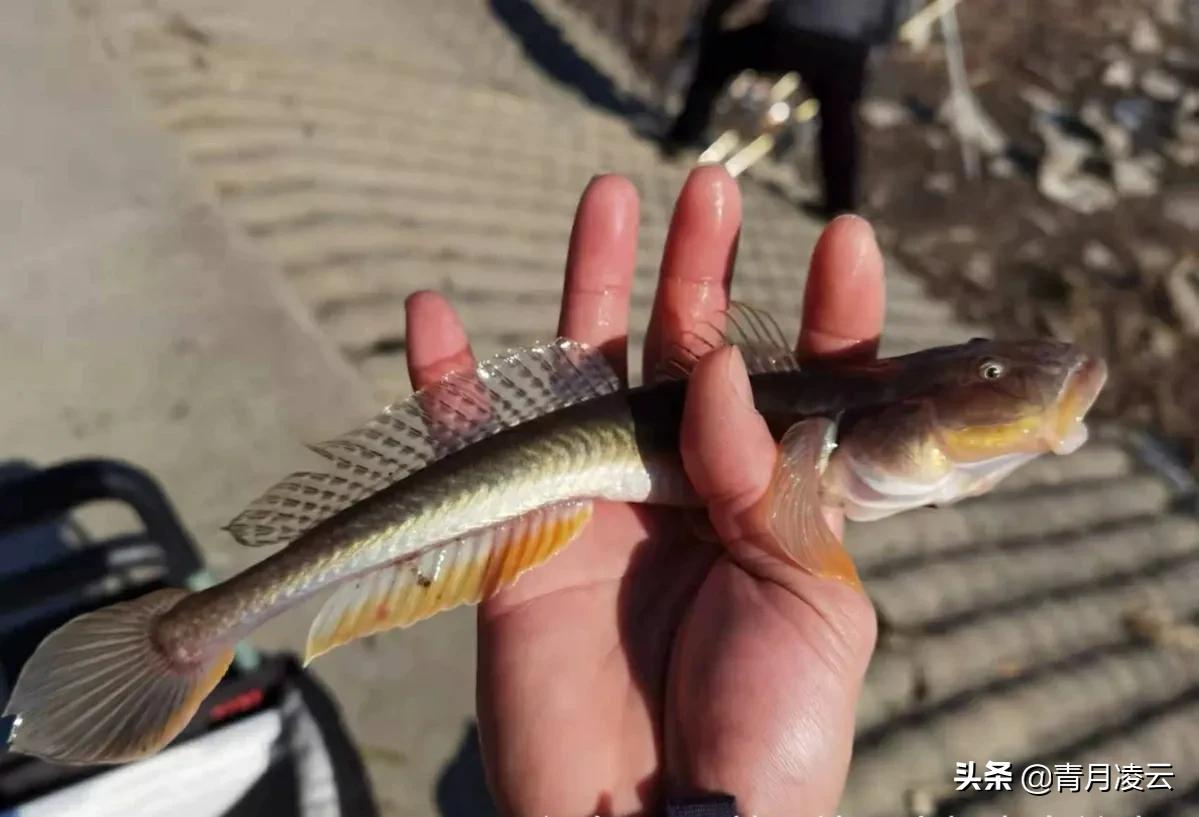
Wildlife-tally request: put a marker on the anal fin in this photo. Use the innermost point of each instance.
(460, 571)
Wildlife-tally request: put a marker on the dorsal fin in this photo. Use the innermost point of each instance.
(752, 330)
(461, 409)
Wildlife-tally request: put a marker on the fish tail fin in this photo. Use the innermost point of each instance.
(100, 690)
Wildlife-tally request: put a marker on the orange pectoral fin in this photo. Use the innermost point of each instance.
(460, 571)
(793, 508)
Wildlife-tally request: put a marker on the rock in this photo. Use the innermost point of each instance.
(1135, 177)
(1061, 177)
(1161, 86)
(1182, 154)
(1186, 127)
(1151, 257)
(1116, 140)
(1132, 112)
(941, 183)
(1119, 74)
(1041, 100)
(1001, 167)
(1182, 288)
(936, 139)
(1080, 192)
(882, 114)
(1043, 220)
(1145, 38)
(961, 234)
(1031, 252)
(1182, 207)
(980, 270)
(1163, 340)
(920, 244)
(1189, 105)
(1144, 120)
(1063, 149)
(1098, 257)
(1169, 12)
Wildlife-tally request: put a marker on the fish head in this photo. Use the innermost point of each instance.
(970, 415)
(1006, 397)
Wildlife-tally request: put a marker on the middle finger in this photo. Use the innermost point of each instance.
(697, 263)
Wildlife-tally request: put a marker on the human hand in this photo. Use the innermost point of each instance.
(647, 662)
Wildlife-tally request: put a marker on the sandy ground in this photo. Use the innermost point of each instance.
(218, 208)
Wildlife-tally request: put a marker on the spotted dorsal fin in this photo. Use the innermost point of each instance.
(752, 330)
(461, 409)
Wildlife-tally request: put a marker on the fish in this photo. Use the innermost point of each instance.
(451, 494)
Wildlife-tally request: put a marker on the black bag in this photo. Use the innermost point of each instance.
(268, 740)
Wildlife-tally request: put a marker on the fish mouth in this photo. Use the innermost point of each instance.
(1067, 430)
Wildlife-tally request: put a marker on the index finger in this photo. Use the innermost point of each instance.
(437, 346)
(844, 299)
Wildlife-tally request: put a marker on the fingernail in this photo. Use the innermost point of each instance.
(416, 297)
(849, 217)
(712, 180)
(738, 378)
(863, 238)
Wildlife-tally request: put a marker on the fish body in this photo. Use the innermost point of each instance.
(450, 495)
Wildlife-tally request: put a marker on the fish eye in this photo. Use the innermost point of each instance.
(991, 370)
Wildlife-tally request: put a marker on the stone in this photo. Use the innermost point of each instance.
(1135, 177)
(980, 269)
(1163, 340)
(1061, 177)
(1043, 220)
(1182, 289)
(1151, 256)
(961, 234)
(1119, 74)
(1132, 112)
(1189, 104)
(1145, 38)
(1183, 154)
(1182, 207)
(941, 183)
(1187, 129)
(1078, 191)
(1170, 12)
(1116, 140)
(1098, 256)
(1001, 167)
(882, 114)
(1162, 86)
(1030, 252)
(1041, 100)
(1063, 152)
(936, 139)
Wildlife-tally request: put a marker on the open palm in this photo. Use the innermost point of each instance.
(663, 654)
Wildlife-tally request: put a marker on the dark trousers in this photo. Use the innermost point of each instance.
(834, 70)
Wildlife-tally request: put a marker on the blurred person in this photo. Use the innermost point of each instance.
(651, 664)
(827, 42)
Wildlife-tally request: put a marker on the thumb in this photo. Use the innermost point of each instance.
(727, 449)
(771, 658)
(730, 455)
